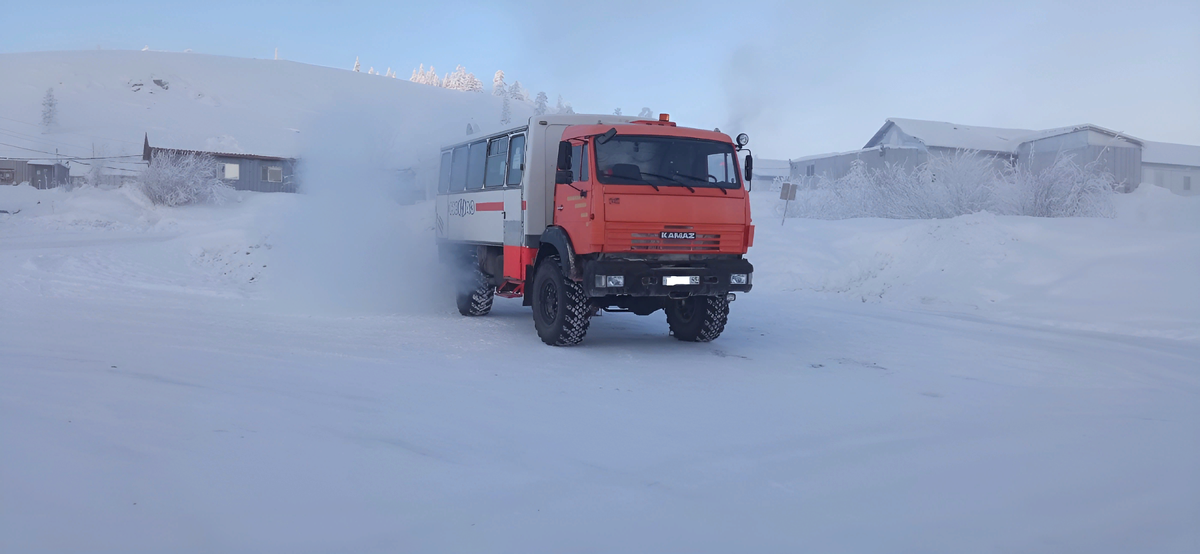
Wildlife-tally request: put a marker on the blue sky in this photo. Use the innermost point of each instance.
(801, 78)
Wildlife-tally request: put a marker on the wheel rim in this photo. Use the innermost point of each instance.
(549, 301)
(687, 309)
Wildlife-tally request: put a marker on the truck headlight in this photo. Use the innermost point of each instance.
(610, 281)
(739, 278)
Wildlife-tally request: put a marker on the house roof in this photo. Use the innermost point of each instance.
(217, 146)
(1170, 153)
(1038, 135)
(953, 135)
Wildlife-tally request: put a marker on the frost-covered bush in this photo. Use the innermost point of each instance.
(179, 178)
(1065, 189)
(953, 185)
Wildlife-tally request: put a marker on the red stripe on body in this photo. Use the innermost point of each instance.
(489, 206)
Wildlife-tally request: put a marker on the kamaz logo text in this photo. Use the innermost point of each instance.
(462, 207)
(675, 235)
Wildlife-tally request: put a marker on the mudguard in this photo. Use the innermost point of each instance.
(557, 237)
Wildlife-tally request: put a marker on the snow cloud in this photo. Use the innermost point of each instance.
(349, 247)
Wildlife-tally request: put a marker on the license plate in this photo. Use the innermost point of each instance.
(676, 280)
(677, 235)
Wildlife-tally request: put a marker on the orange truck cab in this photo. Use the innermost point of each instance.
(599, 213)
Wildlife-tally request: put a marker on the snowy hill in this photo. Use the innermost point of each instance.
(108, 100)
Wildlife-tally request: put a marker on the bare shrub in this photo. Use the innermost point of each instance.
(952, 185)
(176, 178)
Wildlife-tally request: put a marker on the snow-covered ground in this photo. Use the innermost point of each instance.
(240, 378)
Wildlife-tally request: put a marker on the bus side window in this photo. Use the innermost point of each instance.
(475, 167)
(444, 173)
(458, 170)
(516, 160)
(497, 153)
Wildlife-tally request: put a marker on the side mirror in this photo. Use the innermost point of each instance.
(563, 177)
(749, 172)
(564, 156)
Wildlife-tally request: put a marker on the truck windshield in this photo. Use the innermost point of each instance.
(666, 162)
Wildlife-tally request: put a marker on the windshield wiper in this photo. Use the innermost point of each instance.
(705, 181)
(673, 180)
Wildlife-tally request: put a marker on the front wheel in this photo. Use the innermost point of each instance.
(697, 318)
(561, 311)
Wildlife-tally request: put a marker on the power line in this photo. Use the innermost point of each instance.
(33, 138)
(62, 157)
(70, 132)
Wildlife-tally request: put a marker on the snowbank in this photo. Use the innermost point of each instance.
(1135, 274)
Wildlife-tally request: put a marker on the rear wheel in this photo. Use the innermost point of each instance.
(475, 291)
(561, 311)
(697, 318)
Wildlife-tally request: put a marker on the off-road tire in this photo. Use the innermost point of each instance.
(475, 293)
(697, 318)
(561, 311)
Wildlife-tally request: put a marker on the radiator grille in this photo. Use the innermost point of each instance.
(643, 238)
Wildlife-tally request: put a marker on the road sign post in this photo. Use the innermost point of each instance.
(787, 193)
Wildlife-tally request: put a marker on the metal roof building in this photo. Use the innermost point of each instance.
(240, 170)
(910, 142)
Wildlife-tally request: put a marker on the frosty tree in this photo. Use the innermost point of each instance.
(647, 113)
(518, 92)
(49, 108)
(563, 107)
(472, 84)
(617, 111)
(506, 111)
(541, 104)
(498, 86)
(356, 66)
(461, 80)
(456, 80)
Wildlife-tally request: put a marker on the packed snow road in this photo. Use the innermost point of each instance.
(148, 404)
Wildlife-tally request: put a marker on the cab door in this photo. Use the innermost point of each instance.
(573, 202)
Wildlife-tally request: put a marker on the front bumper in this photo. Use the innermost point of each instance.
(645, 278)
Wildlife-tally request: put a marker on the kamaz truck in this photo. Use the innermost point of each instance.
(582, 213)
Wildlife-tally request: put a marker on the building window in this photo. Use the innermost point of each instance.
(811, 170)
(272, 174)
(1187, 183)
(8, 176)
(231, 172)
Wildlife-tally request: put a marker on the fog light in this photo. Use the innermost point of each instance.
(730, 297)
(615, 281)
(739, 278)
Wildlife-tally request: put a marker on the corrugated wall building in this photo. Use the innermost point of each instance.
(42, 175)
(241, 171)
(910, 142)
